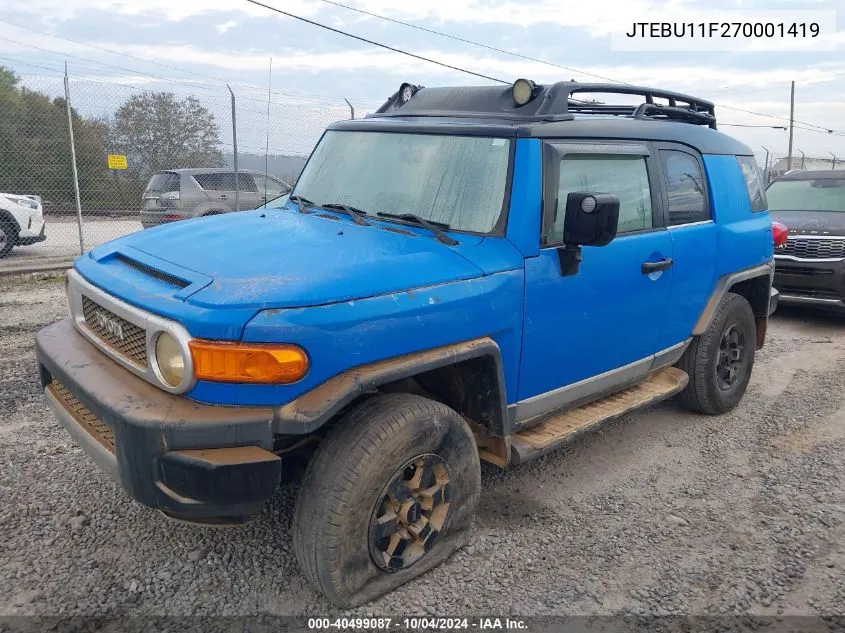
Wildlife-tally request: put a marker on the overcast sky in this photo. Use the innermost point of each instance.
(197, 43)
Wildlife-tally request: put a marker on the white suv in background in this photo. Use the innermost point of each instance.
(21, 222)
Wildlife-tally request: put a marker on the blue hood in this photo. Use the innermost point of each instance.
(277, 258)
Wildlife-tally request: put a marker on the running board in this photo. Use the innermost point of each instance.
(561, 428)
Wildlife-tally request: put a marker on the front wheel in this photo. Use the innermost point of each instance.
(389, 495)
(719, 362)
(7, 238)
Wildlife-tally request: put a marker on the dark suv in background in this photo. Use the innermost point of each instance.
(810, 267)
(178, 194)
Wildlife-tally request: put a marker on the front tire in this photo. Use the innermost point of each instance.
(719, 362)
(8, 237)
(390, 494)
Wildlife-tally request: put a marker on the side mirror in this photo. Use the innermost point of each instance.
(591, 219)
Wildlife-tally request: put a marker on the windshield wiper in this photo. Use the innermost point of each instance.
(302, 202)
(434, 227)
(355, 213)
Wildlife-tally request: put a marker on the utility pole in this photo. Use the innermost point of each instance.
(791, 124)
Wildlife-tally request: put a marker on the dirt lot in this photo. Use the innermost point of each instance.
(62, 243)
(663, 513)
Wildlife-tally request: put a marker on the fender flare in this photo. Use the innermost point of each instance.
(314, 408)
(724, 285)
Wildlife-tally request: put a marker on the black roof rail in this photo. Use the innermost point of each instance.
(555, 102)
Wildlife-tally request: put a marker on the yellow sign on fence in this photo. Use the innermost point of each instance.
(117, 161)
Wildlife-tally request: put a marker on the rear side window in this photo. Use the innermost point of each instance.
(753, 182)
(225, 181)
(687, 202)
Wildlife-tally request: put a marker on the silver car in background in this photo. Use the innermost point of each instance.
(178, 194)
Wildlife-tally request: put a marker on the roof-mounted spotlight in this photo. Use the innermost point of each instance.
(406, 91)
(523, 91)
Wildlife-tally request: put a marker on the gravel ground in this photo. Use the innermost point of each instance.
(663, 513)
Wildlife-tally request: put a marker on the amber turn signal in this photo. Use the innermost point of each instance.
(248, 363)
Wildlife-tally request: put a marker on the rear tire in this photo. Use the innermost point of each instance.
(719, 362)
(348, 523)
(8, 238)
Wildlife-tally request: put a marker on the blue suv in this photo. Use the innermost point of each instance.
(472, 273)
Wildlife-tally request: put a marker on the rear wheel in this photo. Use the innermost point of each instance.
(8, 235)
(389, 495)
(719, 362)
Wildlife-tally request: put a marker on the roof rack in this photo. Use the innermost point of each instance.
(544, 103)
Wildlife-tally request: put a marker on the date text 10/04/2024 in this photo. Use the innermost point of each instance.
(433, 623)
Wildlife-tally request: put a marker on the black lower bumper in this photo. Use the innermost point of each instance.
(813, 283)
(193, 461)
(29, 241)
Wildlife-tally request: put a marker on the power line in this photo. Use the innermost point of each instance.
(374, 43)
(772, 127)
(466, 41)
(538, 60)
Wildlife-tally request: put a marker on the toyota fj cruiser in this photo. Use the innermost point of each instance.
(468, 273)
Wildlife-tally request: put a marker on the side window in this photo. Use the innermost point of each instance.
(216, 181)
(684, 188)
(753, 182)
(274, 187)
(621, 174)
(245, 182)
(225, 181)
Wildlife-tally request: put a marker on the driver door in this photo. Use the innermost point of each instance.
(597, 330)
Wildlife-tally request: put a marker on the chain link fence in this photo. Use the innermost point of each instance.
(121, 137)
(778, 163)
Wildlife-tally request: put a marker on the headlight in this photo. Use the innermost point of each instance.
(169, 359)
(24, 202)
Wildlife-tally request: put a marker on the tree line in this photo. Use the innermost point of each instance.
(154, 130)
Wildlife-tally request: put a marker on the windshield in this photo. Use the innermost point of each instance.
(824, 194)
(455, 180)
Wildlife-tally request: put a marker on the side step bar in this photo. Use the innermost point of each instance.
(561, 428)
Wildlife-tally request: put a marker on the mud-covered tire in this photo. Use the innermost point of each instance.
(345, 481)
(8, 237)
(706, 393)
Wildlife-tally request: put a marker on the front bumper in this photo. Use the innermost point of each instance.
(192, 461)
(32, 234)
(807, 282)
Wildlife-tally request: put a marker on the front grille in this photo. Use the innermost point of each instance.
(813, 249)
(803, 272)
(814, 293)
(117, 333)
(152, 272)
(87, 420)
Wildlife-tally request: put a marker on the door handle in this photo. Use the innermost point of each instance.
(653, 267)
